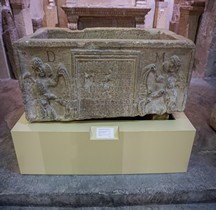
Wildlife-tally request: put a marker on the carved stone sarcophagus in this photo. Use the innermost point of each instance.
(103, 73)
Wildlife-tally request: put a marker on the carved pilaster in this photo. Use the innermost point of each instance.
(140, 21)
(73, 22)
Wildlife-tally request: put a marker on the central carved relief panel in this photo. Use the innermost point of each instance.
(105, 83)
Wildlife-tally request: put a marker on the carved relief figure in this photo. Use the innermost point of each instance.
(171, 94)
(171, 70)
(144, 88)
(108, 84)
(172, 65)
(28, 99)
(44, 98)
(89, 82)
(158, 93)
(44, 80)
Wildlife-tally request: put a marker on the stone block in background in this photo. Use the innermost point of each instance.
(22, 16)
(10, 35)
(204, 39)
(37, 13)
(210, 68)
(4, 70)
(37, 23)
(103, 73)
(62, 17)
(50, 16)
(88, 17)
(213, 118)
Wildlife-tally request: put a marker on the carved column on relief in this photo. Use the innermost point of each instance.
(158, 88)
(39, 84)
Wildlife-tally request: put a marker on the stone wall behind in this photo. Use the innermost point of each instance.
(204, 40)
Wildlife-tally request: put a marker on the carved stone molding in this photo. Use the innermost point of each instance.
(105, 16)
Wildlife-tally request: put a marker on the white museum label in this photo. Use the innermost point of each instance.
(105, 133)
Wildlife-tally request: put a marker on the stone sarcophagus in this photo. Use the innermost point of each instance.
(103, 73)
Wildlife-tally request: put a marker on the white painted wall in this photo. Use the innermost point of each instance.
(150, 16)
(105, 3)
(170, 12)
(36, 9)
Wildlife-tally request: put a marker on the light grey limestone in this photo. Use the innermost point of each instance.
(103, 73)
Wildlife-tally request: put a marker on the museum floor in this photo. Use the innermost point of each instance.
(195, 189)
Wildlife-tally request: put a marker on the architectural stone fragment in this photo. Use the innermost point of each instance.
(22, 16)
(37, 13)
(86, 14)
(213, 118)
(210, 68)
(205, 43)
(186, 17)
(62, 17)
(189, 18)
(103, 73)
(50, 14)
(4, 70)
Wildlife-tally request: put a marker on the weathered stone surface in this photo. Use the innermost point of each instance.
(37, 23)
(204, 38)
(4, 72)
(88, 17)
(103, 73)
(186, 16)
(213, 118)
(210, 68)
(10, 35)
(37, 13)
(22, 17)
(189, 18)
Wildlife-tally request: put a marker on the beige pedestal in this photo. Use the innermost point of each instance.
(104, 147)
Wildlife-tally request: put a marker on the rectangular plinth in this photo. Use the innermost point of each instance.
(126, 147)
